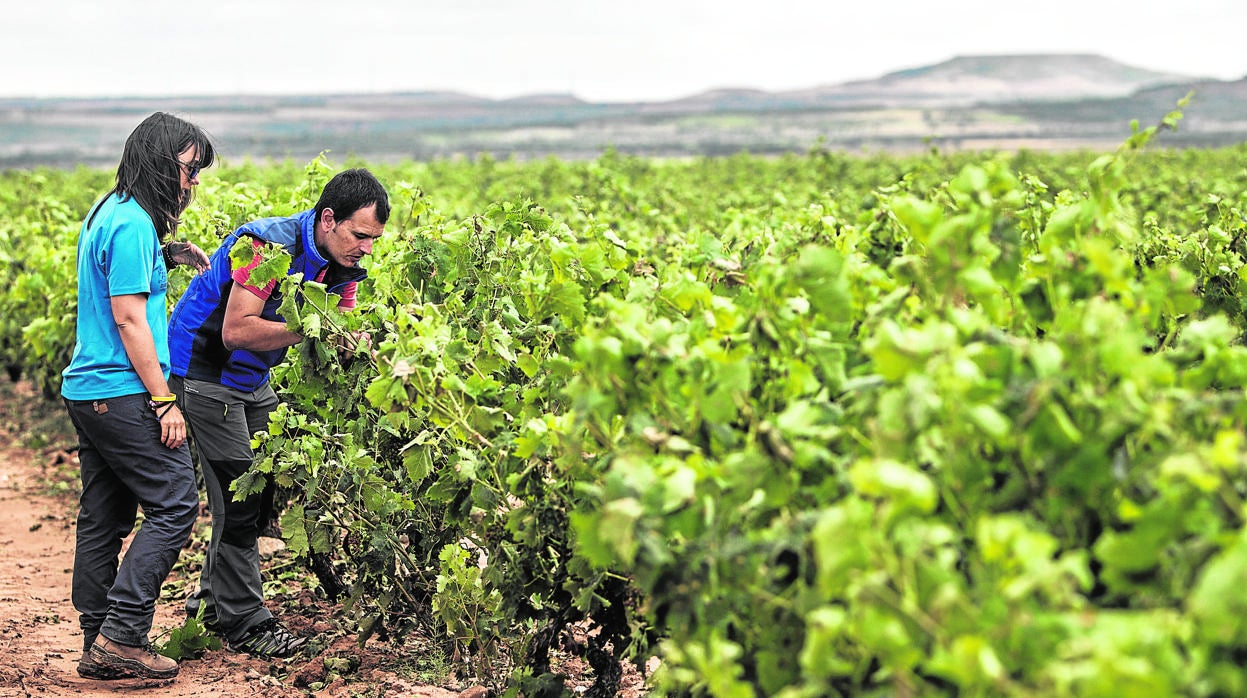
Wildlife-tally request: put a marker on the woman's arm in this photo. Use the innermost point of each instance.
(130, 314)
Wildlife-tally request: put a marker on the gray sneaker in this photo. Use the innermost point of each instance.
(269, 639)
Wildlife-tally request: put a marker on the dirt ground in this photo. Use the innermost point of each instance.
(40, 641)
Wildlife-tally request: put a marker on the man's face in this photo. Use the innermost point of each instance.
(348, 241)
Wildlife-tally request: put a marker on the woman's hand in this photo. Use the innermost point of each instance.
(187, 253)
(172, 425)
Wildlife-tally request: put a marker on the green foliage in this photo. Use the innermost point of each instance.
(189, 640)
(803, 426)
(273, 265)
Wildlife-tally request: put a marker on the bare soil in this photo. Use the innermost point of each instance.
(40, 641)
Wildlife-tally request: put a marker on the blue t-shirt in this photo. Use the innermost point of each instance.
(118, 255)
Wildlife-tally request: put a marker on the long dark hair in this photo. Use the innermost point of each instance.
(149, 171)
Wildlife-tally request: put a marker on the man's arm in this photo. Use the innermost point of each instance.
(244, 328)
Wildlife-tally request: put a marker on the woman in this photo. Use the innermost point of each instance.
(131, 433)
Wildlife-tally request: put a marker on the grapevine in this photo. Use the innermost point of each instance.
(810, 425)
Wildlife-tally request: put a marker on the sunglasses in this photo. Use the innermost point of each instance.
(191, 169)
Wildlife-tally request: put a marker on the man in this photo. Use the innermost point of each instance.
(225, 335)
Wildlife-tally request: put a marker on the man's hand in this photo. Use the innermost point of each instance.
(352, 343)
(187, 253)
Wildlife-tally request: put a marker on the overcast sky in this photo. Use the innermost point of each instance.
(600, 51)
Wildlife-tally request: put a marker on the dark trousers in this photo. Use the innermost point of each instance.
(124, 466)
(222, 421)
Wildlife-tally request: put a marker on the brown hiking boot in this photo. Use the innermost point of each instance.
(88, 669)
(131, 662)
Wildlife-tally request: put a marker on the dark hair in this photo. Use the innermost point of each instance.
(351, 190)
(150, 172)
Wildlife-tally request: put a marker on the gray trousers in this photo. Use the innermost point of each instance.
(124, 466)
(221, 421)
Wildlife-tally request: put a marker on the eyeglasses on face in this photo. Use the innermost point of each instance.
(192, 169)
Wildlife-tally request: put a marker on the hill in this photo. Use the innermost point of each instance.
(969, 80)
(1005, 101)
(961, 82)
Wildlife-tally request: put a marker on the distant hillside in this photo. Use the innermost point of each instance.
(1216, 114)
(967, 80)
(548, 100)
(975, 102)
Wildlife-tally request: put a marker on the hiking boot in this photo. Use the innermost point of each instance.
(131, 662)
(269, 639)
(88, 669)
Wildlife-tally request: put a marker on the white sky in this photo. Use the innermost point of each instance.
(600, 51)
